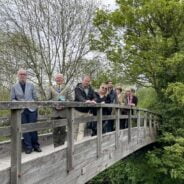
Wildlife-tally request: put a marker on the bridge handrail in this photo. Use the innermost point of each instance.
(16, 128)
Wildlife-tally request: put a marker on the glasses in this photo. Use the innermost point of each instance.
(104, 87)
(22, 74)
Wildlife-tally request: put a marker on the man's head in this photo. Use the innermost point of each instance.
(132, 91)
(86, 81)
(59, 79)
(110, 84)
(22, 75)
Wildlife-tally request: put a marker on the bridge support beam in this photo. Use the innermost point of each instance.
(70, 139)
(99, 132)
(117, 128)
(16, 147)
(129, 124)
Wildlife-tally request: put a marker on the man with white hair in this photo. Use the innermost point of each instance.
(25, 91)
(59, 92)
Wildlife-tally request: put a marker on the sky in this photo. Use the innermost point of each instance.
(111, 4)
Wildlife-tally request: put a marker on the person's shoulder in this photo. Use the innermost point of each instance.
(29, 83)
(78, 86)
(15, 84)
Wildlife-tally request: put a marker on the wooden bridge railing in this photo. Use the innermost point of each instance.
(15, 130)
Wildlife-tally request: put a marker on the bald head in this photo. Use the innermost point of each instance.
(59, 79)
(86, 81)
(22, 75)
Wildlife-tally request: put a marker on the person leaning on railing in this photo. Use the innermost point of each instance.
(103, 98)
(25, 91)
(85, 93)
(111, 93)
(59, 92)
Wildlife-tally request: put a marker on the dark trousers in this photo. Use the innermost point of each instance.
(59, 134)
(124, 122)
(30, 140)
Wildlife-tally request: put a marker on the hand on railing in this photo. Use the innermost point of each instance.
(90, 102)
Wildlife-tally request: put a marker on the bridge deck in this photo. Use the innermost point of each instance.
(50, 166)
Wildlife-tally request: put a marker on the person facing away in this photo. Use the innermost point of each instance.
(25, 91)
(59, 92)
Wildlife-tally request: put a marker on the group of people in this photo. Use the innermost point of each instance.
(25, 91)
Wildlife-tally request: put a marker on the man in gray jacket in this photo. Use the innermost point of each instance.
(25, 91)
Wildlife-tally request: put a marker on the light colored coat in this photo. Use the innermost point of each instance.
(54, 95)
(29, 95)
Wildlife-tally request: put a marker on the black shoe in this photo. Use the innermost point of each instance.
(28, 151)
(37, 149)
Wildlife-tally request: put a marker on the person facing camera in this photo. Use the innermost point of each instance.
(59, 92)
(25, 91)
(103, 98)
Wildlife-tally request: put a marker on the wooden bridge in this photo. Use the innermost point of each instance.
(75, 161)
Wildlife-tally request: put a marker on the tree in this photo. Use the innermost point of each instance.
(47, 36)
(146, 37)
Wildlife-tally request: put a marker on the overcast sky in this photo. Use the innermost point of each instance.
(109, 3)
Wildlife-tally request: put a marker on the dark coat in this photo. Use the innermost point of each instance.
(80, 95)
(105, 99)
(113, 97)
(135, 100)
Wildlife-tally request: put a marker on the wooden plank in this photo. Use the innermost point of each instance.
(5, 131)
(129, 125)
(16, 147)
(85, 119)
(43, 125)
(138, 125)
(123, 116)
(145, 123)
(108, 117)
(117, 128)
(150, 125)
(70, 139)
(99, 132)
(55, 104)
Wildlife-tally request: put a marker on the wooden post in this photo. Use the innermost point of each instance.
(154, 125)
(129, 125)
(99, 132)
(138, 124)
(150, 125)
(117, 128)
(145, 123)
(70, 138)
(16, 148)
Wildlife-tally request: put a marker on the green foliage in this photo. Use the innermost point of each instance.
(175, 92)
(104, 76)
(152, 33)
(146, 37)
(147, 98)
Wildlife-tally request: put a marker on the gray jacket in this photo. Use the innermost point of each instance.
(29, 95)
